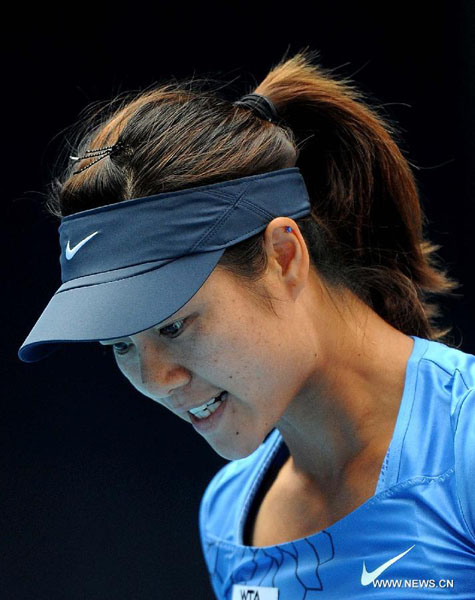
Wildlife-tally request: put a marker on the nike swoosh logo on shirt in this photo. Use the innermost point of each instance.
(70, 252)
(369, 577)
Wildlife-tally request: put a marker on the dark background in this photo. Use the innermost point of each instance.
(100, 487)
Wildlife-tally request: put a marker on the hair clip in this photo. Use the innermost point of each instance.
(96, 152)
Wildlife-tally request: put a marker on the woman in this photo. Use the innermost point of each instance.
(259, 268)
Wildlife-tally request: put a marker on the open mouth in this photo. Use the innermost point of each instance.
(208, 408)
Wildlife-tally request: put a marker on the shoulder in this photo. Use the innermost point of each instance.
(439, 378)
(464, 455)
(447, 374)
(448, 361)
(454, 371)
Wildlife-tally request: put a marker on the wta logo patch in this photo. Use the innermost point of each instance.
(248, 592)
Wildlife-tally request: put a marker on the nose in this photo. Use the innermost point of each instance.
(159, 374)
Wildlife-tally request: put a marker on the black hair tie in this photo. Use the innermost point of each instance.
(260, 105)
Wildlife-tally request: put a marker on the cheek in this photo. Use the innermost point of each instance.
(235, 354)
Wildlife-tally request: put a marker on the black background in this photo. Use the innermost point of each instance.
(100, 486)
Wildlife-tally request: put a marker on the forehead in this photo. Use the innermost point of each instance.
(221, 284)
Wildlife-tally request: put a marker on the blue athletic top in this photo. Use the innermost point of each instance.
(415, 538)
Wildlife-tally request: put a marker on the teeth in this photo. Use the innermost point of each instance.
(208, 411)
(208, 407)
(203, 406)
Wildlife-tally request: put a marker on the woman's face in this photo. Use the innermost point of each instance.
(223, 340)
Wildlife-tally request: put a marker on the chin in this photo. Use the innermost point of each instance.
(241, 449)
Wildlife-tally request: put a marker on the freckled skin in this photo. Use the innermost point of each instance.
(320, 366)
(231, 341)
(229, 344)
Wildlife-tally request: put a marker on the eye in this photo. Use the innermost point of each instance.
(174, 329)
(169, 331)
(120, 347)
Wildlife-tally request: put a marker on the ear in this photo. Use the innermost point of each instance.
(287, 253)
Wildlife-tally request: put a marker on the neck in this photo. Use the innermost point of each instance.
(342, 419)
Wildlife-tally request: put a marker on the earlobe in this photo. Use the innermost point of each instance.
(288, 251)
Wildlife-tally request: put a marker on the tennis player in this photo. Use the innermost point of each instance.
(260, 268)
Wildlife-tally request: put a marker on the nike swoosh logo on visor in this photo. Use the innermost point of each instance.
(70, 252)
(369, 577)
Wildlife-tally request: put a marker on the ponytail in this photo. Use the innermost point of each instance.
(366, 230)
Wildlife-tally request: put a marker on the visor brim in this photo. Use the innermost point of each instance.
(119, 307)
